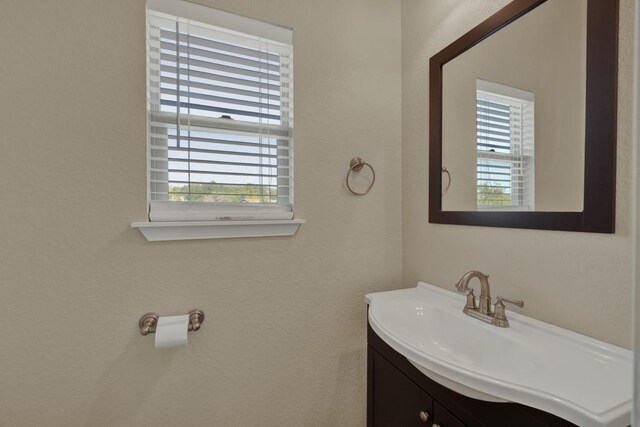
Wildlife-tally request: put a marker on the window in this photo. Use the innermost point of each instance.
(505, 147)
(220, 115)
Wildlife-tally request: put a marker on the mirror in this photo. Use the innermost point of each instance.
(522, 120)
(513, 115)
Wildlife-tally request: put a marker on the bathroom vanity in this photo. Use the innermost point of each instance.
(399, 395)
(431, 364)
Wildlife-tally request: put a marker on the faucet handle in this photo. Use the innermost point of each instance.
(471, 301)
(498, 310)
(516, 302)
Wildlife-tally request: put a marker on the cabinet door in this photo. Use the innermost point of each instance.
(443, 418)
(397, 401)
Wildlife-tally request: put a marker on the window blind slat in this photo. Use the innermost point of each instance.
(160, 120)
(225, 142)
(486, 119)
(221, 183)
(492, 167)
(191, 49)
(231, 101)
(494, 138)
(195, 40)
(262, 175)
(492, 106)
(493, 128)
(185, 82)
(222, 152)
(192, 106)
(187, 64)
(192, 162)
(218, 78)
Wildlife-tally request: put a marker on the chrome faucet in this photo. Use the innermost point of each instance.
(485, 292)
(482, 310)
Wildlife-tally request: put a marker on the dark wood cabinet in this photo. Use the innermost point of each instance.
(397, 401)
(444, 418)
(401, 396)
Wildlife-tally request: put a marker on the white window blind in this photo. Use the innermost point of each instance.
(220, 114)
(504, 137)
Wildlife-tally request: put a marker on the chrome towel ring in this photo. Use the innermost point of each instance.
(446, 171)
(356, 165)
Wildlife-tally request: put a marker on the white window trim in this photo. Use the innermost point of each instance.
(504, 90)
(222, 19)
(196, 230)
(224, 224)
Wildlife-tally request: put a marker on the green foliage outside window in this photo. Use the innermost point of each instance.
(493, 195)
(223, 193)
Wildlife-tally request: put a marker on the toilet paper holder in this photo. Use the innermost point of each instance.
(149, 321)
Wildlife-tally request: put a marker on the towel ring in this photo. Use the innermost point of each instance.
(356, 165)
(446, 171)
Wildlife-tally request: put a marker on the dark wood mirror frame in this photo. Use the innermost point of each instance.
(598, 215)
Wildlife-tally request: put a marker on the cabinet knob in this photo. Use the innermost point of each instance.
(424, 416)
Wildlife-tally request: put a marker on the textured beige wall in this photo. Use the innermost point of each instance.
(636, 215)
(284, 339)
(283, 343)
(543, 52)
(579, 281)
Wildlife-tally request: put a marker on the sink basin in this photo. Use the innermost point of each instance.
(578, 378)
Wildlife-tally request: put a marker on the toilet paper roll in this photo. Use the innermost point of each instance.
(171, 331)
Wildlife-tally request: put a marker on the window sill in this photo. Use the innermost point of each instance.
(194, 230)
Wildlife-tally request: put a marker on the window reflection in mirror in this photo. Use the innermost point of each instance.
(505, 141)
